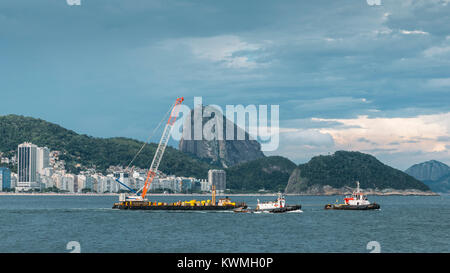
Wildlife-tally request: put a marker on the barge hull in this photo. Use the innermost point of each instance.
(353, 207)
(278, 210)
(286, 209)
(133, 206)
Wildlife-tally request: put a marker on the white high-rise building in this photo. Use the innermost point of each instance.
(81, 183)
(205, 185)
(27, 176)
(14, 180)
(114, 185)
(103, 184)
(42, 159)
(69, 183)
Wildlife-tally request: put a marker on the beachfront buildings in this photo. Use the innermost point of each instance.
(39, 169)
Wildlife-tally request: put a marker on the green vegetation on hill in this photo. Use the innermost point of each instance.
(99, 153)
(344, 168)
(269, 173)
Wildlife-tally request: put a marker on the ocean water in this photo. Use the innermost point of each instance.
(49, 223)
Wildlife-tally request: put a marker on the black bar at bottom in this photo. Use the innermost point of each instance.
(228, 262)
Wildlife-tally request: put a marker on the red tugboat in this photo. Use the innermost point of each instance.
(357, 201)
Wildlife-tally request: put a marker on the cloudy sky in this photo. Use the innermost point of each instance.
(347, 75)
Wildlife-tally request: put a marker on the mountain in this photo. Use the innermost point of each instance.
(225, 153)
(268, 173)
(441, 185)
(90, 151)
(430, 170)
(337, 173)
(433, 173)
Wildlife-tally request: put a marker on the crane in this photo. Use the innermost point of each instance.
(159, 153)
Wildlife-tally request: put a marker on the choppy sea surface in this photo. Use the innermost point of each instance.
(49, 223)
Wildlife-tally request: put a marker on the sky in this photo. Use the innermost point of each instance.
(347, 75)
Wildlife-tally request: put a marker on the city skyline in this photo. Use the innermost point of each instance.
(39, 169)
(347, 75)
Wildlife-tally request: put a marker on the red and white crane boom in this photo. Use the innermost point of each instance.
(161, 148)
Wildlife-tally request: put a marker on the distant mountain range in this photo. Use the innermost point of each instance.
(338, 173)
(433, 173)
(334, 174)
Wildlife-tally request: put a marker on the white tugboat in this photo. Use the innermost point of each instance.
(279, 205)
(357, 201)
(270, 205)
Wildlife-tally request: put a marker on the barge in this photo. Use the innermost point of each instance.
(127, 203)
(223, 204)
(138, 201)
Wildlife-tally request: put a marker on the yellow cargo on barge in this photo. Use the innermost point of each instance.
(223, 204)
